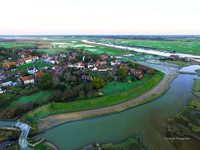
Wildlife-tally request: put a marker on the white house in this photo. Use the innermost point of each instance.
(28, 60)
(32, 70)
(7, 84)
(116, 62)
(27, 80)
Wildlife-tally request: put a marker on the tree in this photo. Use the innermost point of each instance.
(81, 94)
(97, 83)
(110, 75)
(13, 67)
(46, 81)
(55, 82)
(151, 71)
(121, 74)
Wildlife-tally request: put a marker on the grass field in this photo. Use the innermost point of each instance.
(11, 45)
(38, 65)
(196, 87)
(179, 46)
(39, 97)
(53, 51)
(117, 87)
(119, 97)
(86, 47)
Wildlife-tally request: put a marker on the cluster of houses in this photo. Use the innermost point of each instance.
(68, 61)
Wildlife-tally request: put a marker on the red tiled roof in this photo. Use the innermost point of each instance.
(140, 77)
(7, 65)
(71, 58)
(27, 78)
(38, 74)
(143, 67)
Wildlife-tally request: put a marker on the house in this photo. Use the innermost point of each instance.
(45, 55)
(1, 72)
(102, 68)
(115, 62)
(104, 56)
(2, 89)
(86, 78)
(143, 68)
(54, 61)
(7, 84)
(136, 72)
(103, 62)
(57, 73)
(162, 58)
(37, 75)
(34, 58)
(65, 67)
(62, 55)
(25, 55)
(173, 57)
(140, 76)
(26, 80)
(56, 67)
(2, 77)
(123, 66)
(92, 65)
(7, 65)
(71, 58)
(78, 65)
(20, 62)
(32, 70)
(28, 60)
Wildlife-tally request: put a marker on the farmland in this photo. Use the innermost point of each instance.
(179, 46)
(13, 45)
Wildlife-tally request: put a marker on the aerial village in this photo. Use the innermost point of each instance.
(56, 65)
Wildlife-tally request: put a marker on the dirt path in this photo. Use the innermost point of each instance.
(55, 120)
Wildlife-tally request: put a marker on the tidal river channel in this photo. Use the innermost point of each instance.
(149, 121)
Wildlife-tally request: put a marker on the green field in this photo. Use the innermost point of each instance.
(39, 97)
(38, 65)
(196, 87)
(12, 45)
(86, 47)
(53, 51)
(117, 87)
(179, 46)
(112, 99)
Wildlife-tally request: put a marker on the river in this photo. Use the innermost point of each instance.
(142, 50)
(149, 121)
(23, 137)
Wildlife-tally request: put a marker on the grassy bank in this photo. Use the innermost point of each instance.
(132, 143)
(119, 97)
(196, 87)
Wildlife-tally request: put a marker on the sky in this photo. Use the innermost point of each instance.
(95, 17)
